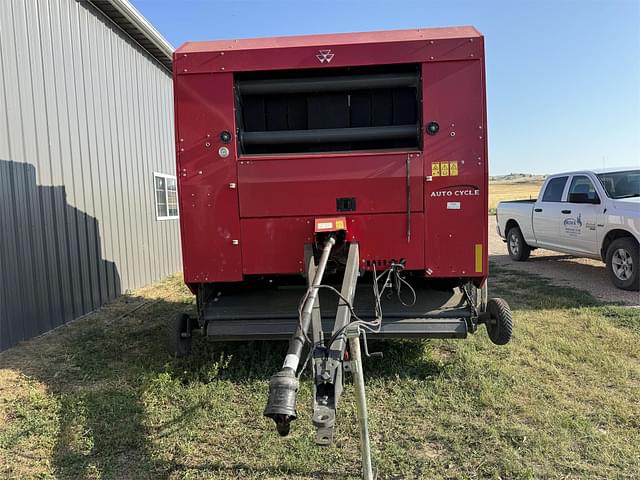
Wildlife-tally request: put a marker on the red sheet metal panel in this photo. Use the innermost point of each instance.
(276, 245)
(309, 55)
(349, 38)
(384, 237)
(209, 217)
(310, 185)
(455, 158)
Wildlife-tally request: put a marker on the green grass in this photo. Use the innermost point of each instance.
(101, 398)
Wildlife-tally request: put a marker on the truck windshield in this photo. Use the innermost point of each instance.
(621, 184)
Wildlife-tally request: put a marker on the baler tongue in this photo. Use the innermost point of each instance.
(327, 359)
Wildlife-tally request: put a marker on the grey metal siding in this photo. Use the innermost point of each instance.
(85, 120)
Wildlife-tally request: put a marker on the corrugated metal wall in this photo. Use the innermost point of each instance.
(85, 120)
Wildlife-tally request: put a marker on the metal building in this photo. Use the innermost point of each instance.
(87, 169)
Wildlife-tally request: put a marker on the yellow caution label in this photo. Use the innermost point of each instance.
(339, 225)
(453, 168)
(435, 169)
(444, 169)
(478, 258)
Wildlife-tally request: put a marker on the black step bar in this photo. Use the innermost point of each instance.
(272, 329)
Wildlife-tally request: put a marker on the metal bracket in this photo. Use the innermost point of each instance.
(328, 361)
(473, 320)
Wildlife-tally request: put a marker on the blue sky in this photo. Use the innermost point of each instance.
(563, 77)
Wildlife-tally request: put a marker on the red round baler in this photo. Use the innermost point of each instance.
(362, 156)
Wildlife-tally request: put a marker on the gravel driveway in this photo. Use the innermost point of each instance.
(561, 269)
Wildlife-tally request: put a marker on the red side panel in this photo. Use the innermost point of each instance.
(455, 158)
(209, 218)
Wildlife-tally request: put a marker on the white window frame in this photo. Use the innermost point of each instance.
(155, 198)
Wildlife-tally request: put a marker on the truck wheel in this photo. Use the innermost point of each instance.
(179, 332)
(500, 323)
(517, 247)
(623, 263)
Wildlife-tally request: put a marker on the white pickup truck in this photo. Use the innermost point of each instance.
(591, 213)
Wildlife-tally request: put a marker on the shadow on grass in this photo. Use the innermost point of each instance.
(244, 468)
(97, 370)
(528, 291)
(90, 369)
(255, 360)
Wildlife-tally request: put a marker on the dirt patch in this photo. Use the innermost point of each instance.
(561, 269)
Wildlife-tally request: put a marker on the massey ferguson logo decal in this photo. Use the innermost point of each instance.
(325, 56)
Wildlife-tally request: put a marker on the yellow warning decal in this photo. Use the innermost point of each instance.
(479, 258)
(339, 225)
(444, 169)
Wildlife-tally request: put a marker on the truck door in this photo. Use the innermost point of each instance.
(547, 211)
(579, 215)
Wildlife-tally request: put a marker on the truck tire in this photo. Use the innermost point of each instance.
(179, 345)
(623, 263)
(518, 249)
(500, 324)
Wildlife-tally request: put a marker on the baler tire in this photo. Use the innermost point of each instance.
(500, 325)
(179, 346)
(518, 249)
(625, 274)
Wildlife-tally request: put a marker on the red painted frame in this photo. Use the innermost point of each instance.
(252, 214)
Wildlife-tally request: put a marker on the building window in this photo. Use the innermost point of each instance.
(166, 189)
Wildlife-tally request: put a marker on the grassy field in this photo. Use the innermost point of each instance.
(100, 398)
(499, 191)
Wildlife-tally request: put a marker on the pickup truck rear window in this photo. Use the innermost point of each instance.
(555, 187)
